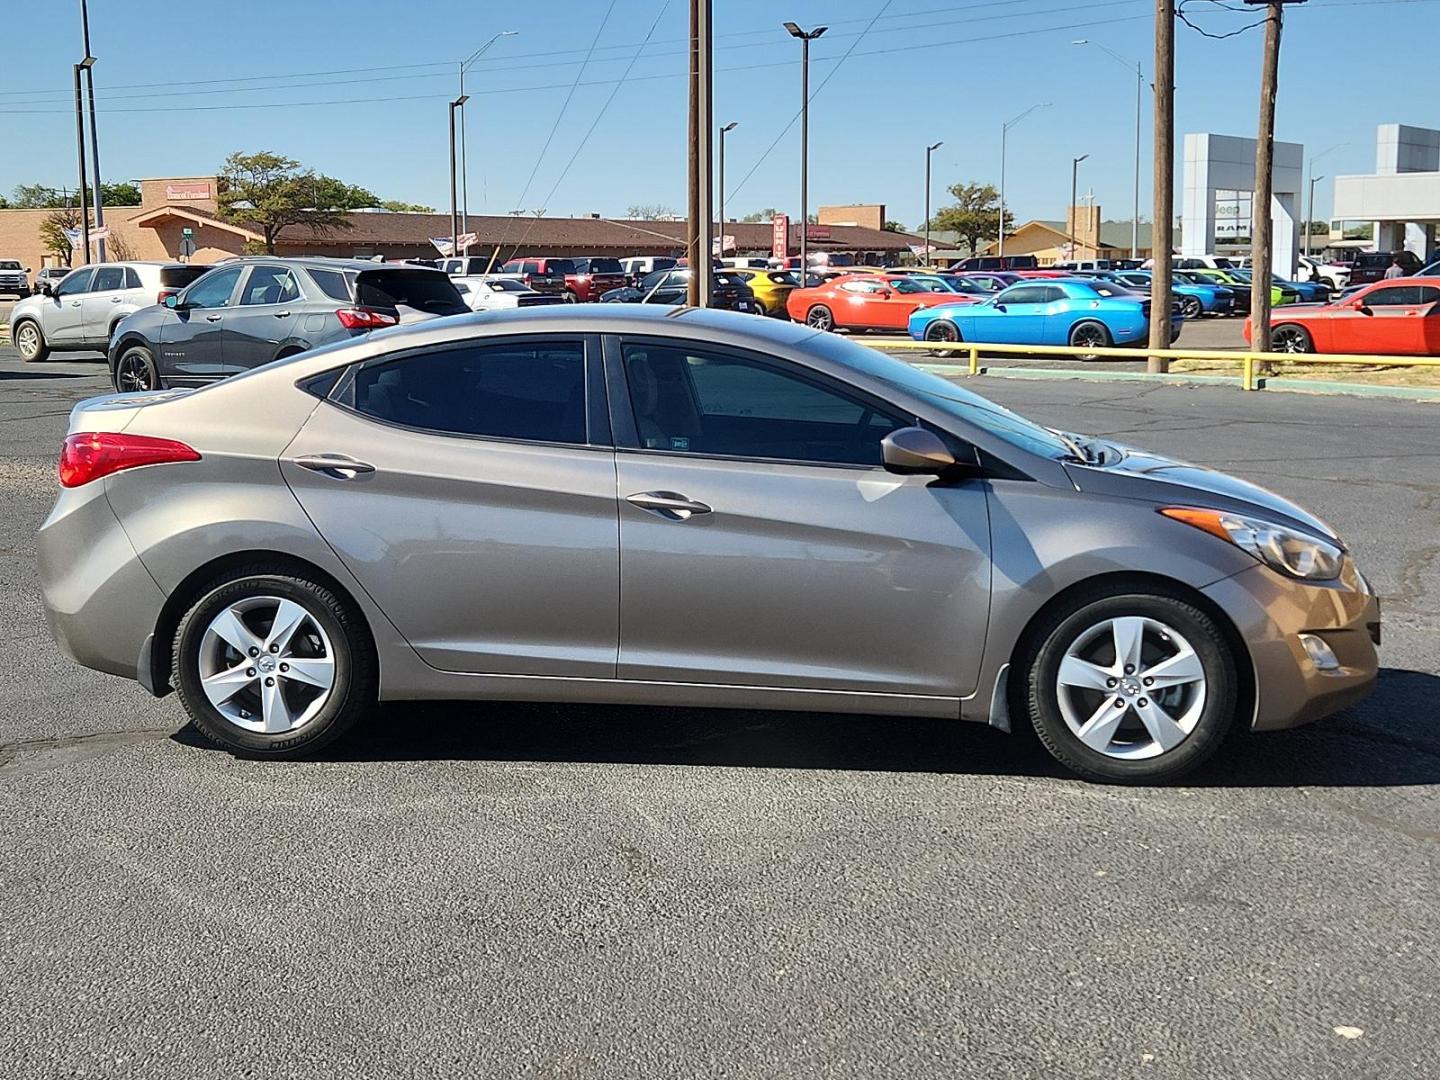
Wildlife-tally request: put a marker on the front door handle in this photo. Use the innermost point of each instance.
(115, 299)
(212, 318)
(668, 504)
(282, 314)
(336, 466)
(74, 303)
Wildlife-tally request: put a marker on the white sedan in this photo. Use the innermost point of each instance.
(494, 292)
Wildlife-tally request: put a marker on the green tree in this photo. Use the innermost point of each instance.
(52, 231)
(268, 192)
(761, 215)
(894, 226)
(974, 216)
(125, 194)
(42, 197)
(399, 207)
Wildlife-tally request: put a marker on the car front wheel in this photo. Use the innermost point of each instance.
(273, 664)
(30, 342)
(135, 371)
(1131, 689)
(820, 317)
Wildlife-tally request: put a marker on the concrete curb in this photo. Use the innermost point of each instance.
(1300, 386)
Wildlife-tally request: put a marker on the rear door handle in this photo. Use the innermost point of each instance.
(282, 314)
(212, 318)
(115, 299)
(336, 466)
(668, 504)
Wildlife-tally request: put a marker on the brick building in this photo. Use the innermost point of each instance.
(169, 205)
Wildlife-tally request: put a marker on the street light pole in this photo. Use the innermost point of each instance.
(1004, 132)
(88, 65)
(720, 194)
(805, 39)
(1139, 98)
(1074, 184)
(928, 151)
(1310, 172)
(80, 153)
(464, 170)
(458, 103)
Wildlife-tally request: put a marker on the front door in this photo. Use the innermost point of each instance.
(1395, 324)
(63, 316)
(191, 342)
(101, 304)
(1023, 320)
(761, 543)
(470, 489)
(264, 317)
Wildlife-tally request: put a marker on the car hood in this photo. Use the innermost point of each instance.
(1130, 472)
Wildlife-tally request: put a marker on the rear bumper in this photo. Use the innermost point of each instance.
(100, 601)
(1270, 613)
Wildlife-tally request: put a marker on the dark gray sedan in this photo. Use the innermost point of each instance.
(632, 504)
(248, 312)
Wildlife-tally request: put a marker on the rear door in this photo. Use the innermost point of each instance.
(63, 316)
(191, 344)
(793, 559)
(474, 499)
(266, 314)
(102, 303)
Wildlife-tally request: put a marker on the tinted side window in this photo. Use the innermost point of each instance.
(269, 285)
(109, 279)
(508, 391)
(1394, 296)
(77, 282)
(132, 279)
(332, 283)
(1023, 294)
(214, 289)
(689, 401)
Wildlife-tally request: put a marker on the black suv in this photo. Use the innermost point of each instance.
(1371, 265)
(731, 292)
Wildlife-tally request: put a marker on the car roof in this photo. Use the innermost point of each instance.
(326, 262)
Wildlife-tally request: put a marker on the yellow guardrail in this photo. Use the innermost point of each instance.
(1250, 363)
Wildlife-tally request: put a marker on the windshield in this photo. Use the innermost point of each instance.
(507, 285)
(943, 395)
(424, 290)
(9, 264)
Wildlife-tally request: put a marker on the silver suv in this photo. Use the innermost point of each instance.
(82, 312)
(14, 278)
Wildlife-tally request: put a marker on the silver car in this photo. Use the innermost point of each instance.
(81, 313)
(693, 508)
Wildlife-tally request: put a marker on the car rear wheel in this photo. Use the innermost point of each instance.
(135, 370)
(1291, 339)
(30, 342)
(942, 331)
(820, 318)
(1135, 688)
(1089, 335)
(273, 664)
(1191, 308)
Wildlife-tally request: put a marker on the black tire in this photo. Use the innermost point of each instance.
(29, 341)
(1090, 334)
(1191, 307)
(135, 370)
(352, 693)
(940, 330)
(1289, 338)
(570, 297)
(1039, 664)
(820, 317)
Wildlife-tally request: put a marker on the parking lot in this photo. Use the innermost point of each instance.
(562, 891)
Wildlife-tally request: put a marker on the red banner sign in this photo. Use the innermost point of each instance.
(780, 236)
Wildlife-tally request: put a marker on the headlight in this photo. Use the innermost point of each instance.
(1295, 554)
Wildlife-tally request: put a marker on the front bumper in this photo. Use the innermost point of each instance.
(1271, 612)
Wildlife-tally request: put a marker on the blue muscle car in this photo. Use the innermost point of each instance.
(1053, 311)
(1194, 299)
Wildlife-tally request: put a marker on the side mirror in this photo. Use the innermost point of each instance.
(172, 301)
(913, 450)
(884, 294)
(1364, 308)
(1000, 307)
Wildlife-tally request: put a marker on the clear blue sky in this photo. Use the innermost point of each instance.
(926, 70)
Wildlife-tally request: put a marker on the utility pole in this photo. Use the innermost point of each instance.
(1074, 183)
(88, 65)
(692, 206)
(720, 185)
(928, 151)
(458, 103)
(1163, 226)
(805, 39)
(1261, 228)
(705, 170)
(80, 153)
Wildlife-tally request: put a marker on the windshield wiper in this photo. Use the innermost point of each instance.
(1076, 448)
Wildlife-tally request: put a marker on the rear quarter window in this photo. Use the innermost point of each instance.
(177, 277)
(424, 290)
(332, 283)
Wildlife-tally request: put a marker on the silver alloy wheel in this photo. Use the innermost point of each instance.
(266, 664)
(1289, 339)
(27, 341)
(1131, 688)
(1191, 307)
(820, 318)
(132, 373)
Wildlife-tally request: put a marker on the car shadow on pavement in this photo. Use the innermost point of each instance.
(29, 375)
(1390, 739)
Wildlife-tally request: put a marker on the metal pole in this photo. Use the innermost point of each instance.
(1260, 223)
(1004, 131)
(1309, 211)
(804, 160)
(928, 151)
(1074, 185)
(80, 153)
(705, 52)
(720, 186)
(1163, 224)
(464, 172)
(88, 65)
(454, 211)
(1135, 212)
(692, 205)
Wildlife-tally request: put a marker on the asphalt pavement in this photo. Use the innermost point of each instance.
(567, 891)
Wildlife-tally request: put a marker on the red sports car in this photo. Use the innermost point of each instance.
(865, 302)
(1400, 317)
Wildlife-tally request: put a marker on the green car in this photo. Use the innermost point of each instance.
(1279, 294)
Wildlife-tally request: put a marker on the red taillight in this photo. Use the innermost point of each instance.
(165, 294)
(89, 455)
(364, 318)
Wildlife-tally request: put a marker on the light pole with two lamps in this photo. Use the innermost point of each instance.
(464, 170)
(1139, 95)
(1004, 132)
(1310, 173)
(805, 38)
(458, 103)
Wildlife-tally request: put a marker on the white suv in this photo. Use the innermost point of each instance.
(81, 312)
